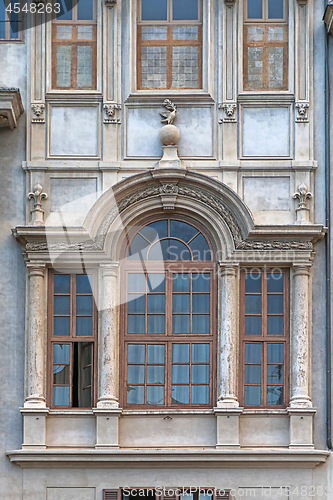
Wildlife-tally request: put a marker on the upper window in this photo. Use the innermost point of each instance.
(264, 333)
(265, 45)
(169, 45)
(74, 47)
(10, 21)
(168, 317)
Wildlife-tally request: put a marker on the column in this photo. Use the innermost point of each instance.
(299, 341)
(36, 337)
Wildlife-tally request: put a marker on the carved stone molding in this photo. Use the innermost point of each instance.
(38, 111)
(11, 106)
(168, 195)
(110, 113)
(302, 112)
(110, 3)
(230, 112)
(302, 211)
(37, 213)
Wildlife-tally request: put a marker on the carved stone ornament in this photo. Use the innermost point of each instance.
(302, 211)
(38, 111)
(37, 213)
(11, 106)
(230, 112)
(110, 113)
(169, 191)
(302, 112)
(168, 116)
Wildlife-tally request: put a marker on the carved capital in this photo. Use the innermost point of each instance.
(38, 113)
(110, 113)
(37, 213)
(110, 270)
(36, 269)
(302, 112)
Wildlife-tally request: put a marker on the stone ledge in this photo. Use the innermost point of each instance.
(11, 107)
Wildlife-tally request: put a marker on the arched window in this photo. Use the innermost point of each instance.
(168, 318)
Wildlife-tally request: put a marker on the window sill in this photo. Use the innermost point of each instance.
(151, 96)
(70, 412)
(264, 411)
(266, 95)
(167, 412)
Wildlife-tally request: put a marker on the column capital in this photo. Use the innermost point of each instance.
(228, 269)
(301, 269)
(110, 269)
(36, 269)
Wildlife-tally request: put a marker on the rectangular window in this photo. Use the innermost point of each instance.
(169, 35)
(74, 47)
(10, 21)
(264, 333)
(72, 346)
(168, 338)
(265, 45)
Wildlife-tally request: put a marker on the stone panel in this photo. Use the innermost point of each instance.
(72, 195)
(267, 193)
(70, 493)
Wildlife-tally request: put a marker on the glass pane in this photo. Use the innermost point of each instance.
(61, 326)
(65, 10)
(155, 374)
(156, 282)
(274, 374)
(200, 248)
(135, 374)
(181, 282)
(200, 353)
(252, 283)
(156, 353)
(275, 9)
(86, 397)
(86, 376)
(62, 283)
(275, 282)
(200, 374)
(61, 396)
(182, 230)
(87, 354)
(84, 304)
(255, 33)
(200, 395)
(185, 33)
(185, 10)
(275, 395)
(64, 53)
(180, 374)
(154, 11)
(61, 374)
(2, 23)
(181, 303)
(84, 32)
(252, 304)
(156, 323)
(155, 395)
(201, 282)
(159, 251)
(136, 303)
(255, 67)
(137, 283)
(275, 67)
(253, 325)
(178, 251)
(85, 10)
(274, 353)
(185, 66)
(138, 249)
(181, 353)
(159, 229)
(83, 283)
(275, 33)
(252, 395)
(200, 323)
(252, 374)
(153, 67)
(136, 323)
(156, 303)
(136, 353)
(83, 326)
(180, 394)
(201, 303)
(252, 353)
(61, 305)
(181, 323)
(84, 66)
(135, 395)
(275, 325)
(254, 9)
(61, 353)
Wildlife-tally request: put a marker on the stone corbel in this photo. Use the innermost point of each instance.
(302, 112)
(38, 111)
(37, 212)
(328, 18)
(110, 3)
(168, 194)
(302, 212)
(230, 112)
(110, 111)
(11, 107)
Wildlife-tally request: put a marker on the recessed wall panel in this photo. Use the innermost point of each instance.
(267, 193)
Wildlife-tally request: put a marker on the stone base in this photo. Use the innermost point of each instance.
(170, 158)
(301, 427)
(107, 423)
(227, 421)
(34, 428)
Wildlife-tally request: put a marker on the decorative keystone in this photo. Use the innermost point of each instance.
(37, 213)
(302, 211)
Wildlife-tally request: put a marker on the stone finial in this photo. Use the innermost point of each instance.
(37, 213)
(302, 211)
(169, 135)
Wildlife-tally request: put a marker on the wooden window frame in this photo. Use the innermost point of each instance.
(168, 338)
(266, 23)
(75, 42)
(265, 339)
(72, 338)
(8, 38)
(169, 43)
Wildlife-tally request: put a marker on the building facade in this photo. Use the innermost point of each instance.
(166, 285)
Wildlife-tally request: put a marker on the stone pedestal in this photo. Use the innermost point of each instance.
(170, 157)
(107, 423)
(34, 428)
(228, 340)
(227, 422)
(301, 428)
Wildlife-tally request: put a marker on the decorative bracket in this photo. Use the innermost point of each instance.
(230, 112)
(110, 113)
(302, 211)
(37, 213)
(38, 113)
(11, 106)
(302, 112)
